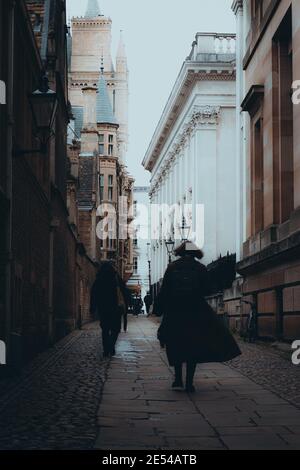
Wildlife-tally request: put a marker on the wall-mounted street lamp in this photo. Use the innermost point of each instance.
(43, 104)
(184, 230)
(170, 248)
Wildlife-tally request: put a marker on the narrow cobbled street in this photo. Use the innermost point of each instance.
(69, 398)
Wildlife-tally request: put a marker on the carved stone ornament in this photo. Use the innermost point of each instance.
(201, 115)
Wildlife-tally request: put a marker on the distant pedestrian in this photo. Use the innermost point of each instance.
(137, 305)
(109, 299)
(148, 302)
(192, 332)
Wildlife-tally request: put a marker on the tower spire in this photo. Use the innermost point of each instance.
(121, 53)
(104, 111)
(92, 9)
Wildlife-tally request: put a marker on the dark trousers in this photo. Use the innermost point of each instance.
(109, 338)
(190, 372)
(111, 328)
(125, 321)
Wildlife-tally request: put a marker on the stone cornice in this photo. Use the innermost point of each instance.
(201, 116)
(91, 22)
(236, 6)
(188, 77)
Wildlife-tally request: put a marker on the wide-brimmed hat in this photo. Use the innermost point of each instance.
(188, 248)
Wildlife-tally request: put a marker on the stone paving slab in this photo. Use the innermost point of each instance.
(53, 405)
(228, 410)
(269, 369)
(59, 401)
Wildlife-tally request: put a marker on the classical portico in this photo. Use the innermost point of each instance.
(192, 154)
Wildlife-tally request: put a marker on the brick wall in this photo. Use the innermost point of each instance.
(30, 277)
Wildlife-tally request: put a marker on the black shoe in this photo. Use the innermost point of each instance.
(113, 352)
(177, 385)
(190, 389)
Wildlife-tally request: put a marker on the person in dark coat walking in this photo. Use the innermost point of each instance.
(137, 305)
(109, 299)
(148, 302)
(192, 332)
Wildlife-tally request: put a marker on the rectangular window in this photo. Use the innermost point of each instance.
(135, 239)
(135, 265)
(110, 149)
(111, 234)
(101, 144)
(135, 208)
(258, 177)
(110, 187)
(111, 139)
(283, 119)
(101, 184)
(111, 243)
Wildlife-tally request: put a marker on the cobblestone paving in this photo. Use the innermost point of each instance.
(53, 405)
(229, 411)
(69, 398)
(269, 369)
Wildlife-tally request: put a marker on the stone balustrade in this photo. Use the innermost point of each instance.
(213, 43)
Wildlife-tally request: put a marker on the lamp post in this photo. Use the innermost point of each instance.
(170, 247)
(149, 264)
(185, 230)
(43, 104)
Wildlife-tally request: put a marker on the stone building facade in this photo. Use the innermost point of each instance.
(140, 281)
(42, 261)
(269, 154)
(192, 156)
(99, 100)
(89, 46)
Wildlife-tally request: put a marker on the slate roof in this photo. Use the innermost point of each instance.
(104, 111)
(92, 9)
(77, 112)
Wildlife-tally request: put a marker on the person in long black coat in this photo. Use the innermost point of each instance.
(192, 332)
(148, 302)
(109, 300)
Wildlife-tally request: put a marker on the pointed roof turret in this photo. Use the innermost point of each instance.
(92, 9)
(104, 111)
(121, 53)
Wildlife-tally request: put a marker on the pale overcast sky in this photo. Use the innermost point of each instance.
(158, 35)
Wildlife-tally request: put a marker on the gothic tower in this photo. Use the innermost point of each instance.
(121, 96)
(90, 44)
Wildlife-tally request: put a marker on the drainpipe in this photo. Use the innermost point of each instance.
(9, 153)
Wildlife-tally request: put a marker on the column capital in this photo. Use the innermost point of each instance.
(237, 6)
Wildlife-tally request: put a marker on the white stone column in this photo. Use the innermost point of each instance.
(194, 178)
(206, 137)
(162, 201)
(175, 195)
(182, 173)
(186, 167)
(237, 8)
(189, 163)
